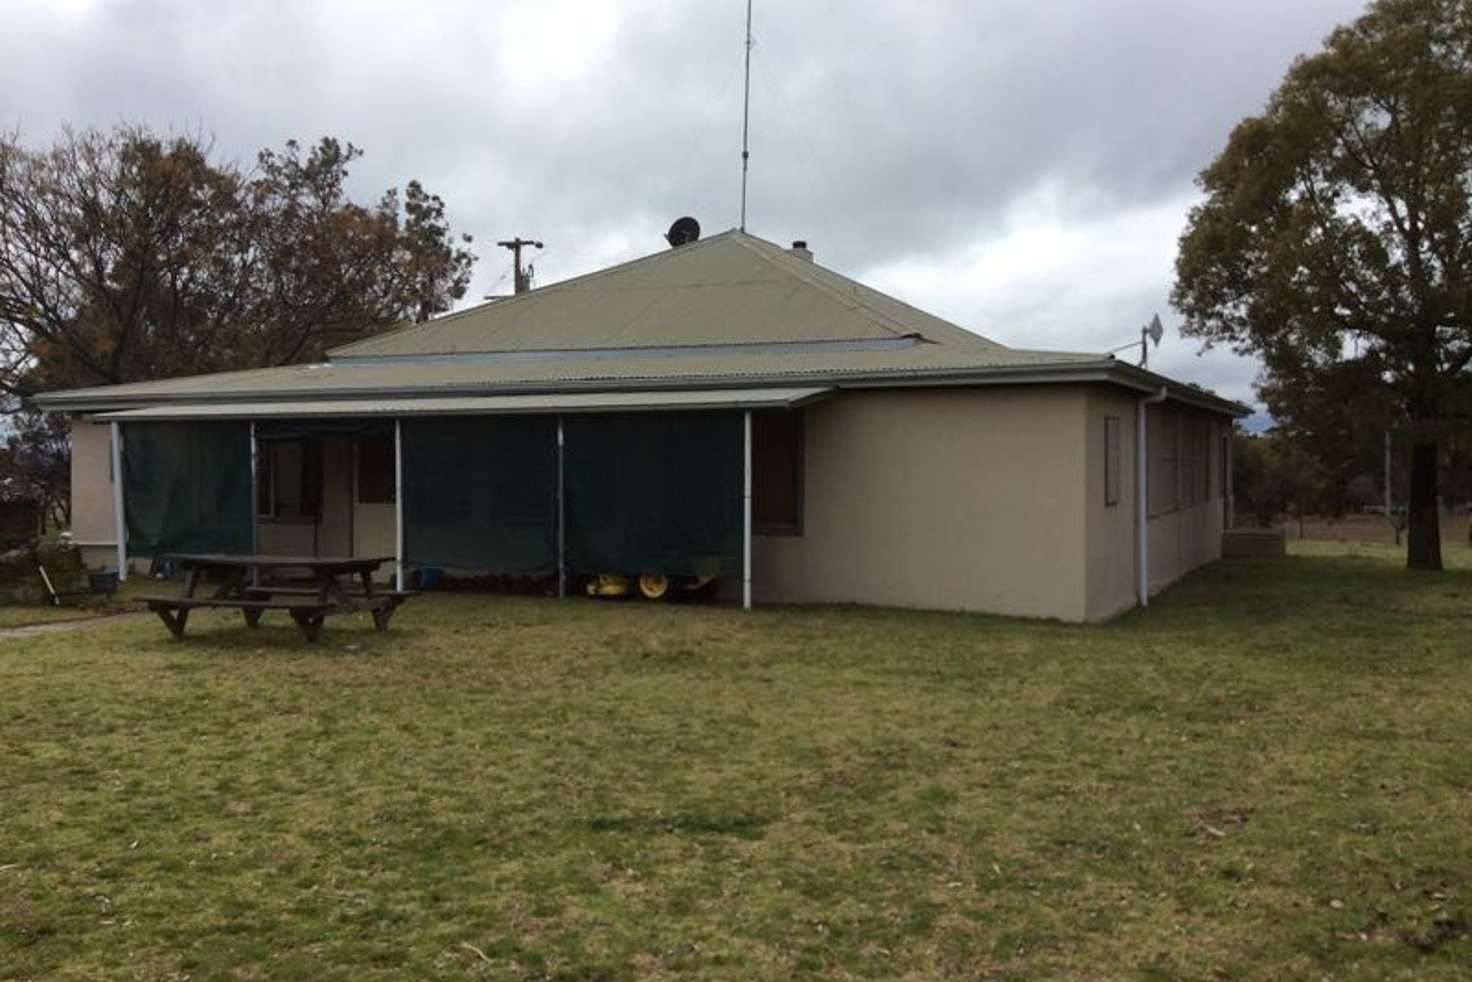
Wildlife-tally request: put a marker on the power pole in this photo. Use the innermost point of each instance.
(523, 278)
(1389, 513)
(1387, 475)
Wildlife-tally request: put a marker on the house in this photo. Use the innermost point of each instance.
(725, 409)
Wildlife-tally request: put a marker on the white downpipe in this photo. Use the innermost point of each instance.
(398, 504)
(115, 430)
(746, 518)
(1142, 509)
(561, 516)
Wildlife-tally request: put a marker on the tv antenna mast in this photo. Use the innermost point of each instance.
(746, 119)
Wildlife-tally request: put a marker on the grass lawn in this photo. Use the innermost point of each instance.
(78, 608)
(75, 609)
(1265, 775)
(42, 614)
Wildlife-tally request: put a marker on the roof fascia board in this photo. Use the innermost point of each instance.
(184, 413)
(951, 376)
(1104, 370)
(1144, 380)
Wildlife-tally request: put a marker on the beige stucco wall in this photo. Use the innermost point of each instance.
(1110, 536)
(1183, 540)
(981, 499)
(335, 533)
(295, 537)
(374, 535)
(1179, 541)
(332, 534)
(953, 499)
(93, 521)
(94, 527)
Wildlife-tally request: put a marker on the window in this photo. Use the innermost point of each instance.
(1111, 460)
(1189, 460)
(289, 479)
(776, 471)
(1195, 460)
(1204, 449)
(376, 471)
(1224, 485)
(1164, 462)
(1182, 460)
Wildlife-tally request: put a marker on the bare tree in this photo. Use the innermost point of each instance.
(125, 256)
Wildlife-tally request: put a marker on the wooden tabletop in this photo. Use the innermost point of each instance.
(233, 560)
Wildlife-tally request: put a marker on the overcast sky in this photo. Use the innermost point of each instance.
(1023, 168)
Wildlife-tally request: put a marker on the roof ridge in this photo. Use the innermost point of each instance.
(855, 298)
(888, 323)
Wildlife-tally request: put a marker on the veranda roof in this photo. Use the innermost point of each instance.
(569, 402)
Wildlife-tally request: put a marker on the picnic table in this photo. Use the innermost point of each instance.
(247, 585)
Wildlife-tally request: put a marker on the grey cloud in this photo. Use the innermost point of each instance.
(888, 134)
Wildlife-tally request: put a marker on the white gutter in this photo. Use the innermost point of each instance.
(1142, 516)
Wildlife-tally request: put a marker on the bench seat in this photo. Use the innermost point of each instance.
(174, 611)
(311, 591)
(380, 603)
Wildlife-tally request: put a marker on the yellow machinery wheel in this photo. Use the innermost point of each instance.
(608, 585)
(654, 586)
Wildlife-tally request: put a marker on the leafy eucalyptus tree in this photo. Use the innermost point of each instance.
(1337, 228)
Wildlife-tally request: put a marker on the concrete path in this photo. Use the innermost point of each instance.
(56, 627)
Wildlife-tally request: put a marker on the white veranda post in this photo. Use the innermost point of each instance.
(746, 516)
(561, 515)
(255, 496)
(117, 499)
(398, 504)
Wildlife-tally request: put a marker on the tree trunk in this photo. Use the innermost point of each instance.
(1424, 550)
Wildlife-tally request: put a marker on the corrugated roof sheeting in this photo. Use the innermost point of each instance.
(729, 311)
(397, 377)
(568, 402)
(730, 288)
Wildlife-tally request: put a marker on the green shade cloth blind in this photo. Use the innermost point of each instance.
(186, 487)
(654, 492)
(480, 493)
(318, 429)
